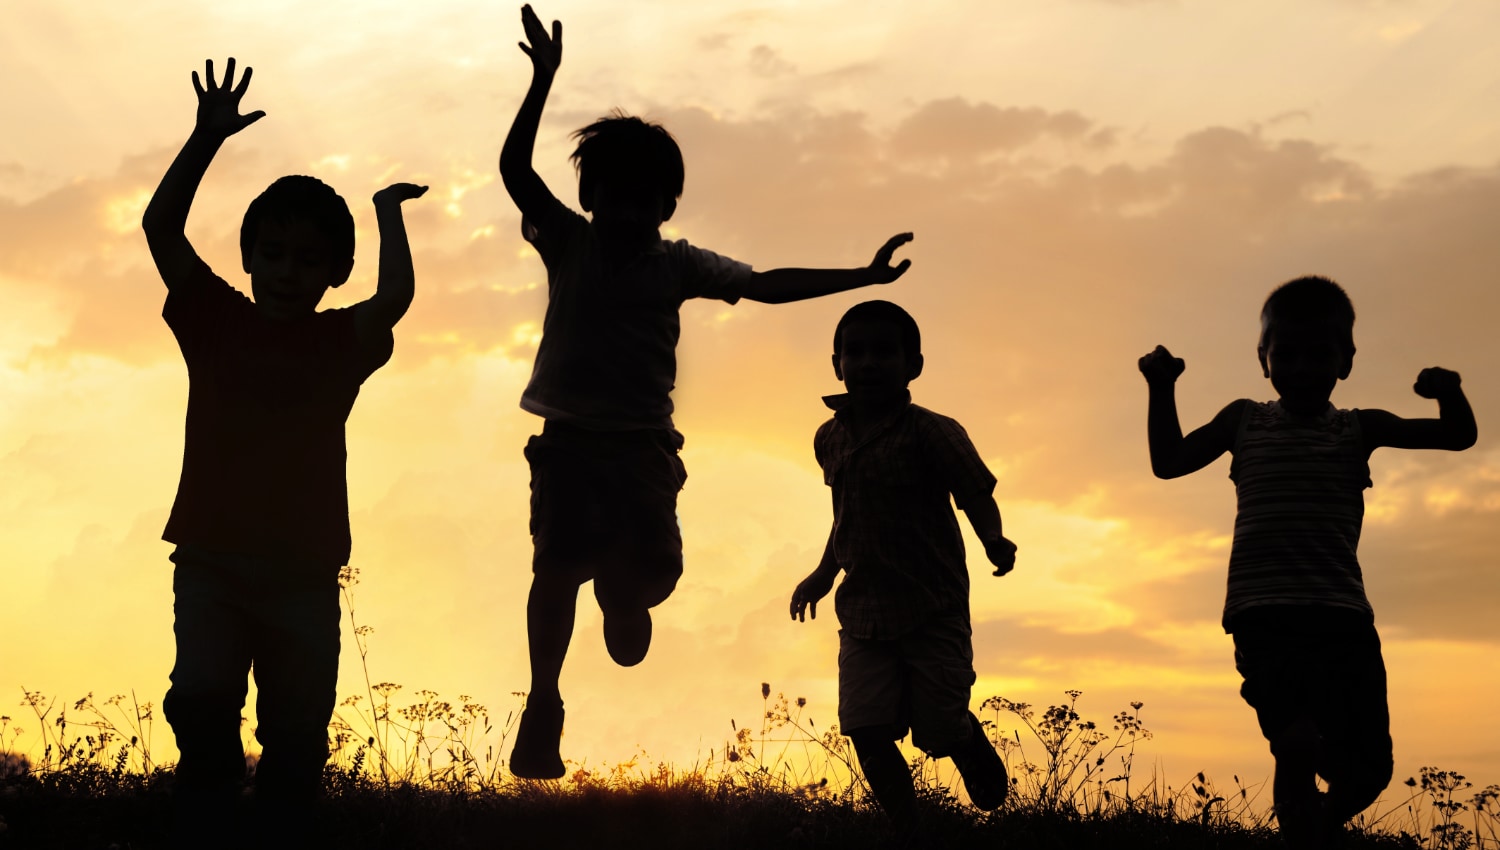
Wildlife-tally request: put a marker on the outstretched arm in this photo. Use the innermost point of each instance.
(1172, 454)
(396, 284)
(165, 218)
(1454, 429)
(525, 186)
(984, 515)
(816, 585)
(778, 286)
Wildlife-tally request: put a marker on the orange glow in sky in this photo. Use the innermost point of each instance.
(1085, 179)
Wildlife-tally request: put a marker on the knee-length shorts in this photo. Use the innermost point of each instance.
(604, 508)
(920, 682)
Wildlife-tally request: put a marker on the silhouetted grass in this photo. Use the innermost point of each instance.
(782, 785)
(430, 773)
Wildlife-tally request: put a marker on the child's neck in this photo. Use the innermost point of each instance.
(865, 412)
(1305, 410)
(624, 242)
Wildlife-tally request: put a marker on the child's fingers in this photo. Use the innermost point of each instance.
(893, 243)
(244, 80)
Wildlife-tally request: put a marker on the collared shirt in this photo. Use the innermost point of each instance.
(608, 355)
(895, 535)
(1300, 483)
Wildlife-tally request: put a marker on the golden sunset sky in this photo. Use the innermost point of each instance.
(1085, 178)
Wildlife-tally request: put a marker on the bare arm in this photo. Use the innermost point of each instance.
(984, 516)
(1172, 454)
(525, 186)
(396, 284)
(1454, 429)
(816, 585)
(779, 286)
(165, 218)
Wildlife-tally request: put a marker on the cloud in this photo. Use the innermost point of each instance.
(1040, 274)
(767, 62)
(955, 127)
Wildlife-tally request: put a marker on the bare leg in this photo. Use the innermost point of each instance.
(550, 610)
(889, 777)
(1299, 803)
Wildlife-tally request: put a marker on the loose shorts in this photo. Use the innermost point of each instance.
(1329, 670)
(604, 509)
(920, 682)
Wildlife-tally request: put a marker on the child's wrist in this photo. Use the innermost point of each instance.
(998, 542)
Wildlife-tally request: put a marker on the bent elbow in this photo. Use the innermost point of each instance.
(1166, 471)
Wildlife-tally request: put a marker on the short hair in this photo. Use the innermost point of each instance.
(1311, 299)
(623, 148)
(300, 197)
(888, 313)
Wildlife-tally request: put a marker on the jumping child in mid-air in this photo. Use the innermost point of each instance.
(605, 471)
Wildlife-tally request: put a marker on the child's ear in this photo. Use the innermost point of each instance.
(1260, 351)
(668, 206)
(914, 368)
(341, 273)
(584, 200)
(838, 370)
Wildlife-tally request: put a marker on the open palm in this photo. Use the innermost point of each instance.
(219, 105)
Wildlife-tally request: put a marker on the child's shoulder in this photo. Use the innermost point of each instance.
(929, 422)
(929, 416)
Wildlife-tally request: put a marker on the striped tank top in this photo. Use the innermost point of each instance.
(1300, 483)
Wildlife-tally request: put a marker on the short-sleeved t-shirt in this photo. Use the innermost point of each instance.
(895, 534)
(263, 452)
(1300, 485)
(608, 355)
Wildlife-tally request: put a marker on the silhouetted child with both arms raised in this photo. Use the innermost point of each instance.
(605, 471)
(906, 660)
(261, 519)
(1304, 633)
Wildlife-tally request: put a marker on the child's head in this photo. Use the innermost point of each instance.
(296, 242)
(877, 349)
(1307, 341)
(629, 170)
